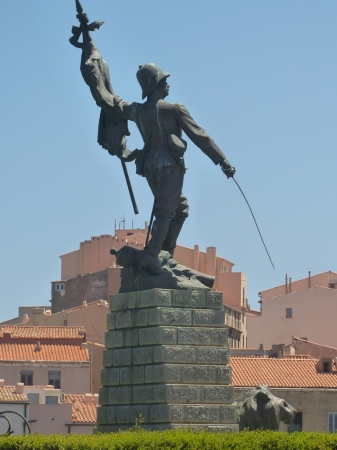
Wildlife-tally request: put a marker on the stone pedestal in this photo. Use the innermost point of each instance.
(166, 358)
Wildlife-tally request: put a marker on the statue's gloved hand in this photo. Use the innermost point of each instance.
(227, 169)
(132, 156)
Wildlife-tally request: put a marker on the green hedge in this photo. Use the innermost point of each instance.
(173, 439)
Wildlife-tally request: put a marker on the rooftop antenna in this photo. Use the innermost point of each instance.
(123, 222)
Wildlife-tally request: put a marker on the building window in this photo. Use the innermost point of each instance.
(327, 367)
(54, 378)
(65, 323)
(27, 377)
(289, 313)
(332, 422)
(33, 398)
(51, 399)
(59, 287)
(243, 342)
(296, 424)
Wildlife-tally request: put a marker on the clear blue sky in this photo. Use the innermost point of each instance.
(259, 76)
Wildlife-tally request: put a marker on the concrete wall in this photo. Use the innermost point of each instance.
(50, 419)
(233, 285)
(81, 428)
(313, 403)
(70, 266)
(90, 287)
(114, 280)
(16, 422)
(75, 377)
(313, 317)
(96, 352)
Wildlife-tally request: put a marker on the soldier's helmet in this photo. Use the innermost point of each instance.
(148, 76)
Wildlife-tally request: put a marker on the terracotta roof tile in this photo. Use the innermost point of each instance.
(28, 352)
(280, 373)
(8, 395)
(81, 412)
(42, 332)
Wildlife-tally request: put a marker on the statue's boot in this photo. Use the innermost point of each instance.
(173, 232)
(150, 258)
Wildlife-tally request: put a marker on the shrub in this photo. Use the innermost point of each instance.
(173, 440)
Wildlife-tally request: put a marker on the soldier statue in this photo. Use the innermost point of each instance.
(160, 124)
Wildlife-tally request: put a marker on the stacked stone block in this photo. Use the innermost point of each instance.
(166, 359)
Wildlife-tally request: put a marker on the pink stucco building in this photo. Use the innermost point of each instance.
(305, 308)
(90, 273)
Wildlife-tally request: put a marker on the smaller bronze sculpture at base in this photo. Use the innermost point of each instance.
(135, 277)
(259, 409)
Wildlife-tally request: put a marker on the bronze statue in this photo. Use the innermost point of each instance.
(259, 409)
(160, 124)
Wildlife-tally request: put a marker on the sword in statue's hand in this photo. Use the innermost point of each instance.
(229, 171)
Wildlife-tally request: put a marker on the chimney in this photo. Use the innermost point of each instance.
(277, 350)
(84, 345)
(84, 334)
(2, 382)
(286, 283)
(309, 280)
(19, 388)
(95, 399)
(38, 346)
(87, 398)
(84, 303)
(48, 312)
(25, 318)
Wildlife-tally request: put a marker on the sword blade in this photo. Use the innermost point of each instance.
(258, 229)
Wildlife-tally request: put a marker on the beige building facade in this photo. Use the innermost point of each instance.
(325, 279)
(74, 377)
(41, 355)
(306, 312)
(91, 316)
